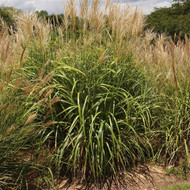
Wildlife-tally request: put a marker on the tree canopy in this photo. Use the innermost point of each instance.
(172, 20)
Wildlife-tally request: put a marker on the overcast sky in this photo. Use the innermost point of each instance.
(56, 6)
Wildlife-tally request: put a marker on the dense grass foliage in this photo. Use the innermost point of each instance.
(89, 98)
(176, 127)
(185, 186)
(23, 118)
(103, 112)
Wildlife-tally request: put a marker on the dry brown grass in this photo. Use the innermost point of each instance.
(167, 60)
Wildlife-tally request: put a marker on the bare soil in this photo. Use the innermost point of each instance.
(151, 177)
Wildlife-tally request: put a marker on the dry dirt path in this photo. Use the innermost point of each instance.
(142, 178)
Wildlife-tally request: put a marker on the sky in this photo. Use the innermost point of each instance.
(56, 6)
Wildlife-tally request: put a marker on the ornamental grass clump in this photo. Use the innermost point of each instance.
(174, 127)
(104, 114)
(24, 113)
(91, 97)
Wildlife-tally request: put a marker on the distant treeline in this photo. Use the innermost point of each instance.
(53, 19)
(174, 20)
(8, 17)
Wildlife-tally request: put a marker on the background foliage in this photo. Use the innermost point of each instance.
(172, 20)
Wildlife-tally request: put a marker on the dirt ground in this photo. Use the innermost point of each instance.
(141, 178)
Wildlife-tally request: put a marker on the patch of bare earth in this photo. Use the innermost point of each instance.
(151, 177)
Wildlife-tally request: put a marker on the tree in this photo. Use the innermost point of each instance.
(179, 1)
(172, 20)
(42, 14)
(183, 5)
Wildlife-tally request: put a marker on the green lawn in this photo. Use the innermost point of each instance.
(185, 186)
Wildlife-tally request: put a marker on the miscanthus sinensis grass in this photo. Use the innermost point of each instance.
(95, 95)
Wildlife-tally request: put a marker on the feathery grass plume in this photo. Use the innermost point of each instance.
(49, 123)
(187, 45)
(43, 82)
(3, 107)
(30, 28)
(72, 12)
(57, 20)
(84, 12)
(172, 46)
(6, 52)
(22, 55)
(26, 23)
(125, 22)
(48, 92)
(9, 75)
(107, 5)
(5, 46)
(84, 9)
(9, 130)
(30, 119)
(54, 100)
(111, 15)
(159, 52)
(95, 15)
(66, 17)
